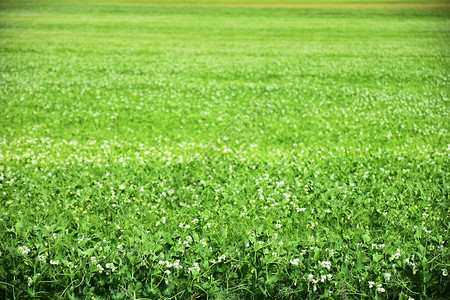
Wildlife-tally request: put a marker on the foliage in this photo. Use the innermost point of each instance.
(169, 152)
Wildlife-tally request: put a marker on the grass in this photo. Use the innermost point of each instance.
(168, 150)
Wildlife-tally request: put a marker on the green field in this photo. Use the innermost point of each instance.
(212, 149)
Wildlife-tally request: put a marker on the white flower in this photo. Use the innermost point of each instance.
(177, 265)
(24, 249)
(387, 276)
(325, 264)
(203, 243)
(396, 255)
(311, 277)
(109, 265)
(54, 262)
(194, 268)
(371, 283)
(30, 281)
(380, 288)
(295, 261)
(100, 268)
(444, 272)
(42, 258)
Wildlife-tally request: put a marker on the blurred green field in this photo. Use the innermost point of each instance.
(272, 3)
(224, 149)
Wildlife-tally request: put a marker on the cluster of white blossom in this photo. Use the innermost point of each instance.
(322, 278)
(380, 288)
(195, 268)
(24, 250)
(396, 255)
(377, 246)
(411, 263)
(325, 264)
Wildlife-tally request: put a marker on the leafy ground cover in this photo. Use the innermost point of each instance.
(174, 150)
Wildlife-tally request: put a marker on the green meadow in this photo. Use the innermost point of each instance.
(212, 149)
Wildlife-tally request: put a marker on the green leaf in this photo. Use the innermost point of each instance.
(271, 280)
(422, 250)
(367, 239)
(376, 257)
(169, 240)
